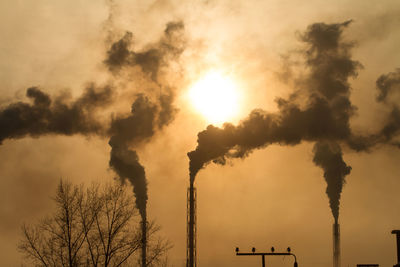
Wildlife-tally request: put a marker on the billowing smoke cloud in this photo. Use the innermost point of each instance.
(170, 46)
(147, 116)
(328, 156)
(320, 109)
(55, 116)
(149, 113)
(388, 86)
(130, 131)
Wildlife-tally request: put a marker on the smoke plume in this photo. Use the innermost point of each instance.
(130, 131)
(151, 60)
(328, 156)
(148, 115)
(61, 116)
(320, 109)
(388, 86)
(325, 114)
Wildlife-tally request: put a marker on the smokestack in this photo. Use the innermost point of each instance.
(144, 242)
(60, 115)
(191, 226)
(147, 116)
(336, 244)
(397, 232)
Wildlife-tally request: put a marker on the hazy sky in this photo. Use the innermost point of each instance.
(276, 196)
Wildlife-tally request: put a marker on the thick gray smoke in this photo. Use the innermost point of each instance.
(45, 115)
(130, 131)
(388, 86)
(324, 115)
(318, 111)
(147, 116)
(151, 60)
(328, 156)
(149, 113)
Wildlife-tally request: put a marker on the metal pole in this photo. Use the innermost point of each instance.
(191, 226)
(191, 242)
(397, 233)
(398, 247)
(144, 242)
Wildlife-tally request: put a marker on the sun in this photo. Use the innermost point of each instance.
(216, 97)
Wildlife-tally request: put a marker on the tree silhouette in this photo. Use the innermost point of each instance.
(97, 226)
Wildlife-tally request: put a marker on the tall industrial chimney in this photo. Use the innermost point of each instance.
(397, 233)
(191, 226)
(336, 244)
(144, 243)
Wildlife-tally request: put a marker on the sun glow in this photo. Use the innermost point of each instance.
(216, 97)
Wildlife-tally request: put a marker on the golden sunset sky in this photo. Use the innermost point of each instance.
(240, 51)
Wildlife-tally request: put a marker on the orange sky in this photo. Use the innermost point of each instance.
(276, 196)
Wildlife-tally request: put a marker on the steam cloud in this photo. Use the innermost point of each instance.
(318, 111)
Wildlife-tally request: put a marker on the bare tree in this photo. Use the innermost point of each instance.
(92, 227)
(157, 246)
(57, 240)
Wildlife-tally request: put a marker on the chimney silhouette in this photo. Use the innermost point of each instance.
(191, 226)
(397, 232)
(336, 244)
